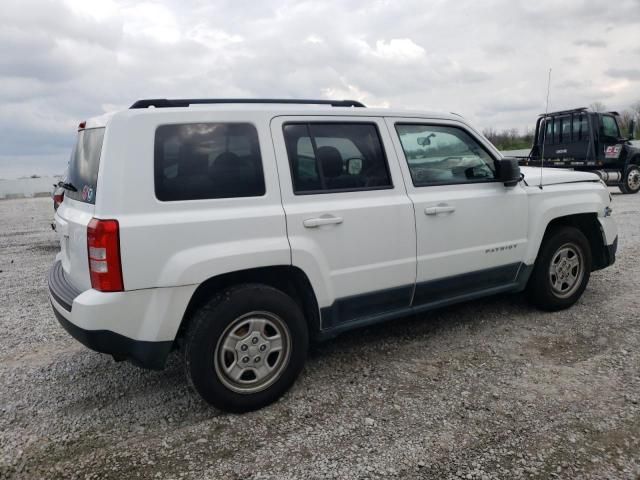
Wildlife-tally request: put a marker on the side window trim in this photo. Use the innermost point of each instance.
(466, 130)
(314, 146)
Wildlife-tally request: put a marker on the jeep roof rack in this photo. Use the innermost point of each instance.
(185, 102)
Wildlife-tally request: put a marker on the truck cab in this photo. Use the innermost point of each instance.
(587, 141)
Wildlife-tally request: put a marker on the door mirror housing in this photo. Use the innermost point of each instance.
(632, 129)
(508, 171)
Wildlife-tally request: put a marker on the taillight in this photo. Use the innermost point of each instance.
(57, 200)
(103, 246)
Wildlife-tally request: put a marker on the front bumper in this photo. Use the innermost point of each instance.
(93, 319)
(611, 252)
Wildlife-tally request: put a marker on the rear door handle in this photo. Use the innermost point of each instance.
(324, 220)
(438, 209)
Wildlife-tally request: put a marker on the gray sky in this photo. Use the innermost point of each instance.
(63, 61)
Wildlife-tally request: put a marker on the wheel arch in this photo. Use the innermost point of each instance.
(588, 224)
(286, 278)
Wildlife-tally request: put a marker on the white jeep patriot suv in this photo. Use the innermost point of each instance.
(237, 230)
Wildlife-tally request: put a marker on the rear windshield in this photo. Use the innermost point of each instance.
(83, 165)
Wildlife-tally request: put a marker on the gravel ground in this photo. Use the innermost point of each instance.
(491, 389)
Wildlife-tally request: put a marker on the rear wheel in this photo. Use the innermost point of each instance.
(245, 347)
(561, 271)
(631, 180)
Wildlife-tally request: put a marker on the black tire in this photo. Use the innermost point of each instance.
(543, 287)
(205, 356)
(631, 180)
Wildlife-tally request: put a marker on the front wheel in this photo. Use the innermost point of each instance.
(631, 180)
(245, 347)
(561, 271)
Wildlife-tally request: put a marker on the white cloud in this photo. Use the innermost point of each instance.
(65, 60)
(96, 9)
(314, 39)
(152, 20)
(399, 49)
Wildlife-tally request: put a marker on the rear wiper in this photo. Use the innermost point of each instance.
(67, 186)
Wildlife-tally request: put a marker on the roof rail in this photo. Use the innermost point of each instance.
(165, 103)
(560, 112)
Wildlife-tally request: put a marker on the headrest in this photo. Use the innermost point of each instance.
(331, 161)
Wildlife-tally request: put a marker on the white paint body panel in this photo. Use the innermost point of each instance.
(555, 176)
(372, 249)
(72, 218)
(486, 216)
(152, 314)
(555, 201)
(169, 248)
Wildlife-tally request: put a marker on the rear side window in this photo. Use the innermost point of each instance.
(565, 129)
(83, 165)
(580, 127)
(197, 161)
(333, 157)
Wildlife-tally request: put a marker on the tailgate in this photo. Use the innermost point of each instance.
(72, 219)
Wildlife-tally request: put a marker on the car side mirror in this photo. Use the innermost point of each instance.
(632, 130)
(508, 171)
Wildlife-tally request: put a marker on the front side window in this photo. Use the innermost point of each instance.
(610, 127)
(439, 155)
(196, 161)
(331, 157)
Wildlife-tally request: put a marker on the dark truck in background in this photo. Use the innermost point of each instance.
(587, 141)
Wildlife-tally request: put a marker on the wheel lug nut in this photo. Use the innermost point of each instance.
(245, 359)
(256, 360)
(263, 347)
(254, 340)
(243, 347)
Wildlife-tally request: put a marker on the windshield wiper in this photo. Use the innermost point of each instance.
(68, 186)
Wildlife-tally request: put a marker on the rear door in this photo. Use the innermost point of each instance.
(471, 229)
(77, 208)
(350, 222)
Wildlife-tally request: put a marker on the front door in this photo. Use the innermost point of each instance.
(610, 143)
(471, 229)
(350, 222)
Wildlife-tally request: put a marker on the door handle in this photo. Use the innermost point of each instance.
(324, 220)
(438, 209)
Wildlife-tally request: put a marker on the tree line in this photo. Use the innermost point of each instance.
(513, 139)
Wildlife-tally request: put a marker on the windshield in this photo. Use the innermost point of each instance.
(83, 165)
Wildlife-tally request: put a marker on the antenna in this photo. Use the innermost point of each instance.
(544, 132)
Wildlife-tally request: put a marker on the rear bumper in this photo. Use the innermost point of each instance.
(139, 325)
(152, 355)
